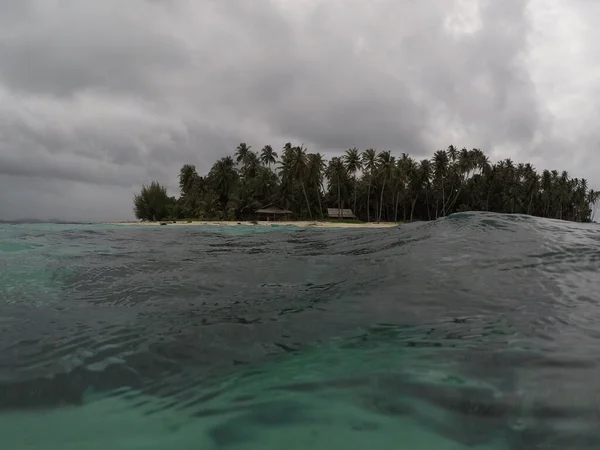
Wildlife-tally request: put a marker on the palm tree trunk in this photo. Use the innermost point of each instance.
(412, 209)
(560, 210)
(427, 203)
(306, 198)
(320, 206)
(339, 200)
(381, 199)
(448, 206)
(443, 198)
(354, 210)
(451, 204)
(369, 201)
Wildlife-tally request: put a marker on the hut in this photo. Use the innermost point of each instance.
(339, 213)
(273, 212)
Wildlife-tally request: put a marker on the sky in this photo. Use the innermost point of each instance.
(98, 97)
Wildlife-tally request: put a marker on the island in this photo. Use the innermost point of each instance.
(367, 188)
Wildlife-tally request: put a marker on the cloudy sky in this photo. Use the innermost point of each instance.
(97, 97)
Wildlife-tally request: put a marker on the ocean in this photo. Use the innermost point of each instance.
(475, 331)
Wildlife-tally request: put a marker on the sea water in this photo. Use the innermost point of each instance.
(476, 331)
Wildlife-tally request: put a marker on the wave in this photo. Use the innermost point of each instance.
(465, 326)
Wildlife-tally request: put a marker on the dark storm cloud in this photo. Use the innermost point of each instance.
(113, 153)
(99, 97)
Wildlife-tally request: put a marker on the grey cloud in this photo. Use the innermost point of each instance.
(69, 169)
(108, 153)
(36, 198)
(99, 97)
(81, 46)
(320, 90)
(11, 11)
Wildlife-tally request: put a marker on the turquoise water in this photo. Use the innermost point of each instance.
(478, 331)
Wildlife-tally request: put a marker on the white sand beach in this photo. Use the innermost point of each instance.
(317, 224)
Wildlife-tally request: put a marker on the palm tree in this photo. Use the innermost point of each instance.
(403, 166)
(336, 172)
(453, 153)
(440, 169)
(287, 181)
(298, 167)
(369, 161)
(353, 164)
(482, 162)
(187, 176)
(223, 178)
(530, 185)
(251, 165)
(316, 169)
(241, 153)
(546, 184)
(465, 164)
(425, 169)
(385, 169)
(191, 186)
(268, 156)
(414, 181)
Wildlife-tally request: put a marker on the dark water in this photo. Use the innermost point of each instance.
(476, 331)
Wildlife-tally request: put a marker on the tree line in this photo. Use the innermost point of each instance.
(377, 186)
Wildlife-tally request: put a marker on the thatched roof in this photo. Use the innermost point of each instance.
(340, 213)
(273, 209)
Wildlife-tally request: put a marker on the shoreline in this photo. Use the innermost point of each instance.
(299, 223)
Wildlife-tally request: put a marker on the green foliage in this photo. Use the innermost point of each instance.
(153, 203)
(375, 185)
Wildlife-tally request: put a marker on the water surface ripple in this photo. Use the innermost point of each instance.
(473, 331)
